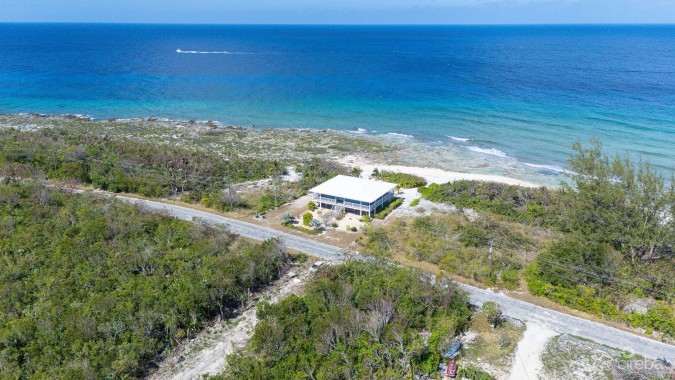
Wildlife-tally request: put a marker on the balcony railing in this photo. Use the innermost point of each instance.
(354, 206)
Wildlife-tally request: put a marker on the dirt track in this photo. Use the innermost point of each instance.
(207, 353)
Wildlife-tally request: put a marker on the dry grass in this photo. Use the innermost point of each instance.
(492, 349)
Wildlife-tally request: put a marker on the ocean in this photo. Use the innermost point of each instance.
(513, 98)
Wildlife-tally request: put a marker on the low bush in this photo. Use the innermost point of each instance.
(303, 229)
(287, 219)
(387, 210)
(403, 180)
(473, 373)
(307, 218)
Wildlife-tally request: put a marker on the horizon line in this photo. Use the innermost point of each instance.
(342, 24)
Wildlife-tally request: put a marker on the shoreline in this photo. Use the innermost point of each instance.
(431, 174)
(399, 154)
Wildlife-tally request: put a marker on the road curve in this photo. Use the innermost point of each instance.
(560, 322)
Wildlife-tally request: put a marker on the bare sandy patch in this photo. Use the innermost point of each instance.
(527, 363)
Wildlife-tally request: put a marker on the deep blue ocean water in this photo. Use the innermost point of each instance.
(505, 93)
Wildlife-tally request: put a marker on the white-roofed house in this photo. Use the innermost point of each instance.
(352, 194)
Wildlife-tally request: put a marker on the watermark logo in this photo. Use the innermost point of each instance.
(646, 368)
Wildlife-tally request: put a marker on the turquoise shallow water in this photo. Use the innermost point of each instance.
(504, 100)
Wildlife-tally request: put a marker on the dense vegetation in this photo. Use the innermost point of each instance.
(516, 203)
(135, 166)
(613, 229)
(91, 288)
(619, 222)
(403, 180)
(123, 165)
(360, 320)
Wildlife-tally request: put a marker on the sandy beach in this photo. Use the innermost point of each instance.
(431, 175)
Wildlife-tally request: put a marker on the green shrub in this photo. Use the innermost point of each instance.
(315, 224)
(311, 206)
(415, 202)
(474, 236)
(307, 218)
(287, 218)
(473, 373)
(303, 229)
(365, 218)
(493, 313)
(403, 180)
(387, 210)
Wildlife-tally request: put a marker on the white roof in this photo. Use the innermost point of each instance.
(358, 189)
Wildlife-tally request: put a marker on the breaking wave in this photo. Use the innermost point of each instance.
(490, 151)
(548, 167)
(398, 134)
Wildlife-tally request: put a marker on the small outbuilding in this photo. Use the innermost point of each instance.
(352, 194)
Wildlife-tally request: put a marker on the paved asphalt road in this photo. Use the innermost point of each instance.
(560, 322)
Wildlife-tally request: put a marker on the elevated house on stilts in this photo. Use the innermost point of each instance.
(351, 194)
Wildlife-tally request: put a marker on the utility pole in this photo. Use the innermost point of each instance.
(490, 252)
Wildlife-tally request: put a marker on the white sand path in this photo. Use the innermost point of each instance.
(527, 362)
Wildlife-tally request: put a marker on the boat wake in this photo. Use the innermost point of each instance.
(211, 52)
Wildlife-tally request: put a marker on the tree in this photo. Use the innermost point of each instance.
(617, 203)
(326, 217)
(493, 313)
(360, 320)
